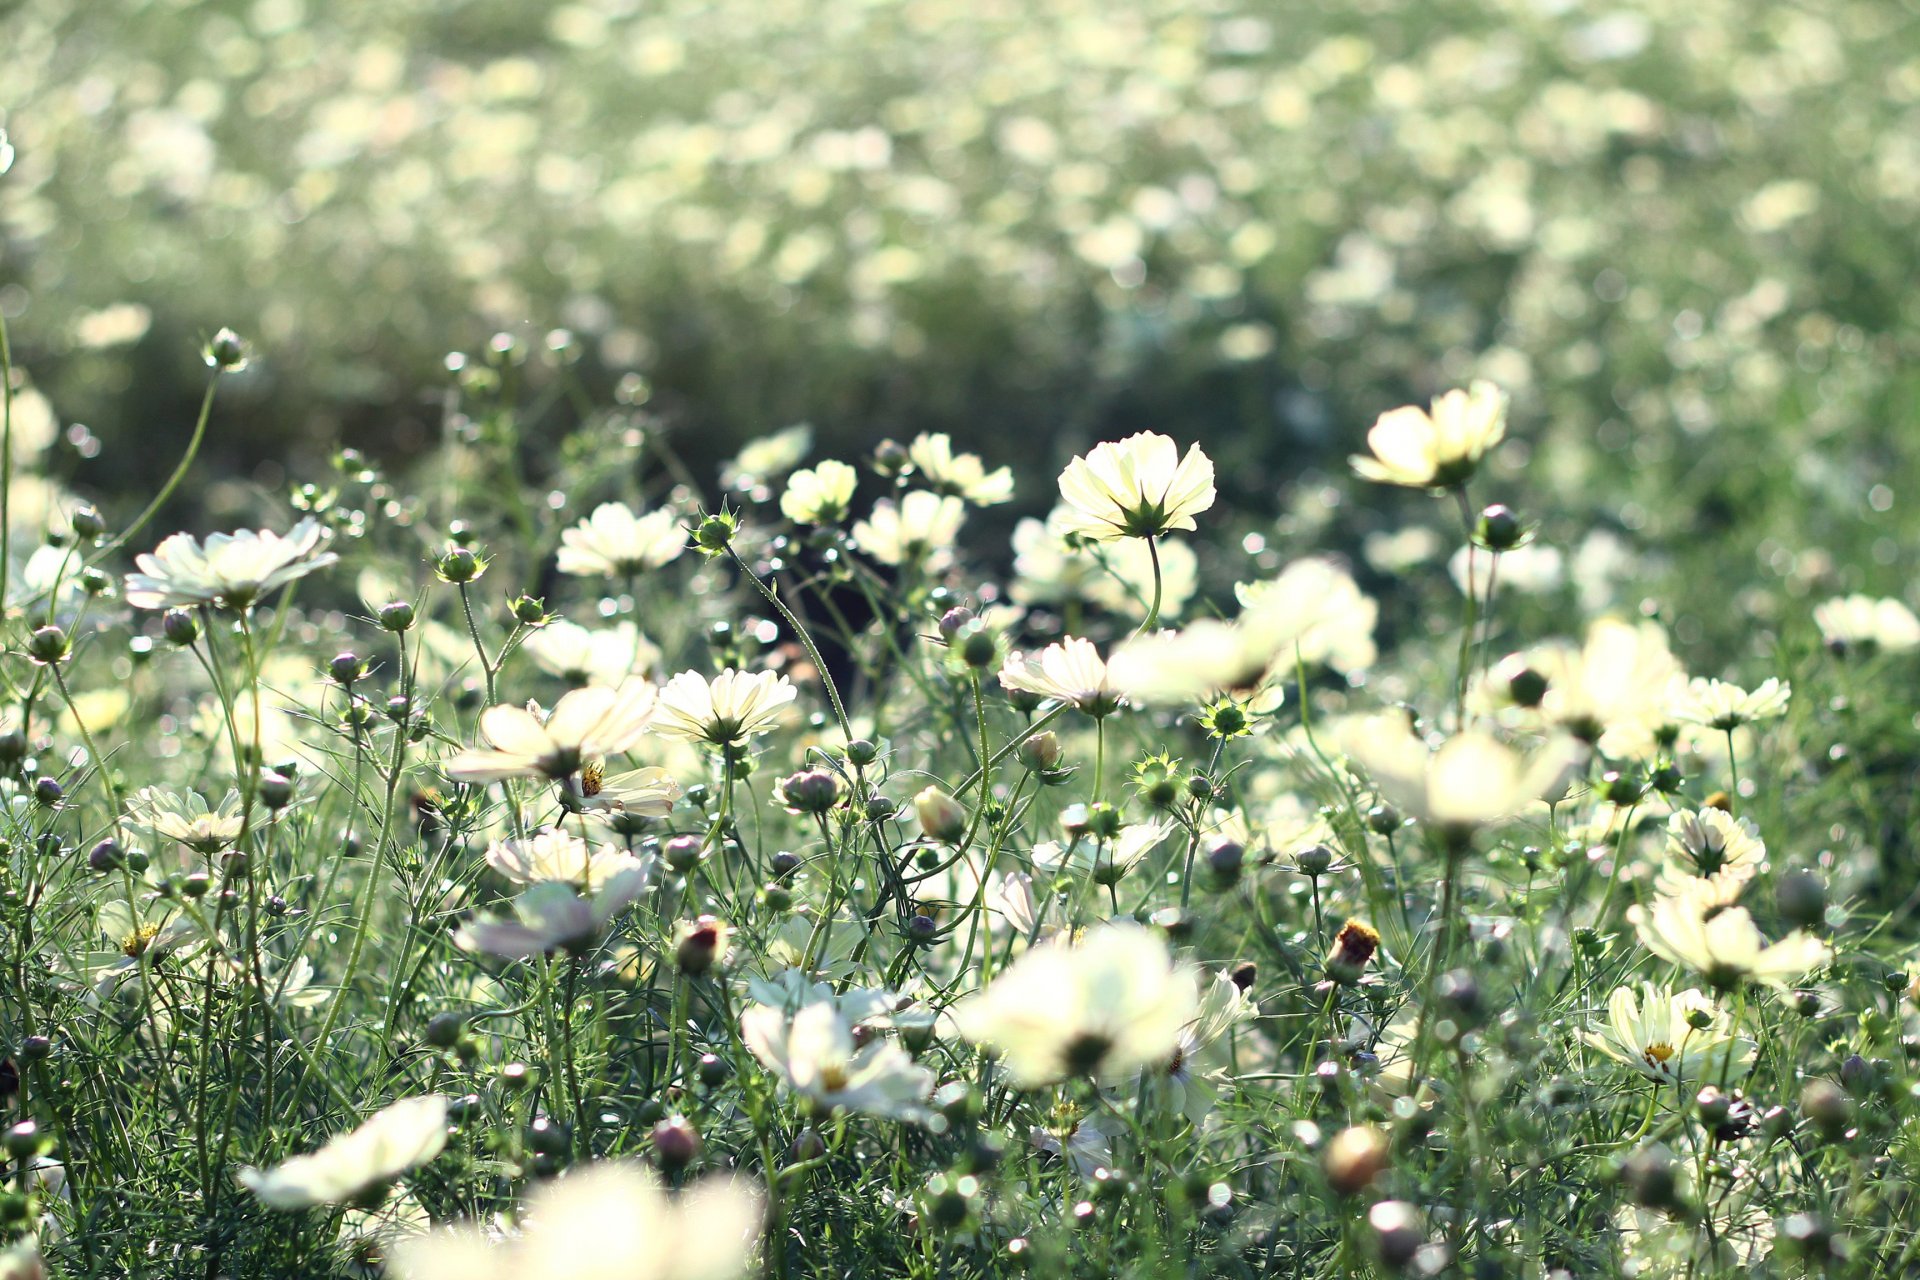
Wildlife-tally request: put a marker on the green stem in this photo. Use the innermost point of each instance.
(806, 641)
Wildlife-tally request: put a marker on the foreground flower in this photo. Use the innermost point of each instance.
(813, 1053)
(604, 1222)
(232, 570)
(1069, 672)
(638, 793)
(1470, 780)
(819, 495)
(587, 724)
(1724, 947)
(404, 1136)
(921, 526)
(1108, 1005)
(961, 475)
(1712, 853)
(1331, 619)
(1723, 706)
(1440, 449)
(730, 708)
(1139, 487)
(615, 543)
(552, 917)
(1863, 625)
(1669, 1037)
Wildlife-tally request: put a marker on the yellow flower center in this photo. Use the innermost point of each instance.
(592, 778)
(833, 1077)
(135, 943)
(1657, 1055)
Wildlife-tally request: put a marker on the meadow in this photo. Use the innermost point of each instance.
(692, 641)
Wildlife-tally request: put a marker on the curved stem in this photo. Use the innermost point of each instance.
(806, 641)
(173, 481)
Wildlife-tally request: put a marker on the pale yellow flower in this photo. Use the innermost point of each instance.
(1652, 1031)
(402, 1137)
(231, 570)
(613, 542)
(813, 1052)
(1439, 449)
(1863, 625)
(819, 495)
(963, 475)
(1471, 779)
(1724, 947)
(585, 725)
(920, 527)
(1717, 704)
(1139, 487)
(556, 855)
(730, 708)
(1069, 672)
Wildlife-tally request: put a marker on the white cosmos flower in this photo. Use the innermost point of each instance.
(1070, 672)
(645, 793)
(921, 526)
(553, 916)
(1532, 569)
(603, 1222)
(730, 708)
(1611, 691)
(1331, 619)
(963, 475)
(188, 818)
(613, 542)
(604, 655)
(1439, 449)
(770, 455)
(1652, 1031)
(585, 725)
(555, 855)
(1103, 1007)
(1711, 853)
(1471, 779)
(1863, 625)
(813, 1053)
(1196, 1069)
(1139, 487)
(1717, 704)
(1723, 946)
(232, 570)
(1053, 567)
(404, 1136)
(821, 494)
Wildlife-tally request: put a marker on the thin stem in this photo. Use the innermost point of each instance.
(173, 481)
(806, 641)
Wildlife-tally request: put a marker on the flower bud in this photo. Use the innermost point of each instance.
(676, 1144)
(396, 616)
(1383, 819)
(1042, 752)
(1651, 1178)
(861, 753)
(48, 792)
(1498, 528)
(683, 853)
(179, 627)
(813, 791)
(95, 582)
(702, 943)
(922, 930)
(1354, 1157)
(460, 565)
(1397, 1233)
(1225, 857)
(1353, 948)
(1827, 1106)
(86, 522)
(529, 611)
(22, 1141)
(954, 621)
(47, 645)
(1314, 860)
(225, 352)
(1801, 898)
(941, 816)
(784, 863)
(344, 668)
(715, 533)
(106, 856)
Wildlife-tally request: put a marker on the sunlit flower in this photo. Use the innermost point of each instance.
(1612, 690)
(730, 708)
(615, 543)
(1470, 780)
(603, 1222)
(1103, 1007)
(1653, 1032)
(819, 495)
(1052, 566)
(186, 816)
(771, 455)
(1863, 625)
(1438, 449)
(1724, 947)
(555, 855)
(552, 916)
(962, 475)
(1717, 704)
(1069, 672)
(649, 792)
(813, 1053)
(1711, 852)
(231, 570)
(1139, 487)
(585, 725)
(601, 655)
(402, 1137)
(921, 526)
(1194, 1074)
(1329, 619)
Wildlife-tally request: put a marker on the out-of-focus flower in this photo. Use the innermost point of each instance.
(604, 1222)
(1069, 672)
(770, 456)
(1052, 566)
(402, 1137)
(941, 816)
(555, 855)
(1440, 449)
(730, 708)
(1711, 852)
(552, 916)
(186, 816)
(1470, 780)
(1531, 569)
(813, 1053)
(607, 656)
(1612, 691)
(613, 542)
(1195, 1070)
(920, 527)
(1330, 618)
(1863, 625)
(821, 494)
(585, 725)
(1139, 487)
(1724, 947)
(1670, 1037)
(231, 570)
(1716, 704)
(1103, 1007)
(961, 475)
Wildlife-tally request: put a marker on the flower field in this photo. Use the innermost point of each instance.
(1130, 641)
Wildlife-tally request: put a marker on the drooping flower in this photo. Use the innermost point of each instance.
(961, 475)
(821, 494)
(1654, 1031)
(1718, 704)
(603, 1222)
(1723, 946)
(1102, 1007)
(400, 1138)
(814, 1054)
(613, 542)
(920, 527)
(730, 708)
(1860, 624)
(1070, 671)
(1437, 449)
(585, 725)
(552, 916)
(1139, 487)
(231, 570)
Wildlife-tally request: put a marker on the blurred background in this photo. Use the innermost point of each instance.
(1681, 232)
